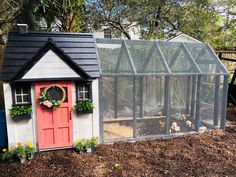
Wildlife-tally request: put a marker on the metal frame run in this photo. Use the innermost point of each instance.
(199, 56)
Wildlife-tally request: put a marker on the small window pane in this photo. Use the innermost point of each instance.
(66, 99)
(80, 88)
(18, 90)
(81, 96)
(26, 98)
(86, 95)
(25, 91)
(55, 93)
(18, 99)
(86, 88)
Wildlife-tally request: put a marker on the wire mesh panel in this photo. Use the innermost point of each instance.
(206, 59)
(207, 97)
(118, 107)
(150, 116)
(180, 118)
(211, 100)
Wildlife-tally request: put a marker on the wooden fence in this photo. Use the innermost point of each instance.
(228, 58)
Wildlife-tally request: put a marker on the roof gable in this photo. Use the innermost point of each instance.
(50, 45)
(183, 38)
(23, 50)
(50, 65)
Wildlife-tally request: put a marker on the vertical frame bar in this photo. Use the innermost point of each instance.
(167, 103)
(216, 100)
(193, 98)
(101, 129)
(188, 94)
(116, 97)
(134, 108)
(197, 117)
(141, 96)
(224, 102)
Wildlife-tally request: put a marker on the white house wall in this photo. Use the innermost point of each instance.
(18, 131)
(50, 66)
(87, 125)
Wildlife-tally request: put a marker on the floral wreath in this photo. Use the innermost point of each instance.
(46, 100)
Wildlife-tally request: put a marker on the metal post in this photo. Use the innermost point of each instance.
(216, 100)
(188, 94)
(197, 117)
(116, 96)
(167, 103)
(101, 101)
(224, 102)
(141, 96)
(193, 101)
(134, 108)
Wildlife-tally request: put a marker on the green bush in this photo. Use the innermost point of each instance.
(86, 105)
(20, 110)
(6, 155)
(82, 145)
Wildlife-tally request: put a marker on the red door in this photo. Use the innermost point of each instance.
(54, 125)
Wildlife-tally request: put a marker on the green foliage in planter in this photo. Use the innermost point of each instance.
(86, 105)
(20, 110)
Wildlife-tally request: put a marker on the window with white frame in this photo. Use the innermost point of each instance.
(107, 33)
(84, 91)
(21, 94)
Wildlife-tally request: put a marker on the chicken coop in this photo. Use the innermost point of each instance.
(155, 89)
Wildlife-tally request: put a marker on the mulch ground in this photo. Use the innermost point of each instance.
(208, 154)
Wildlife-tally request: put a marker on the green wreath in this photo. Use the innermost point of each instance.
(46, 100)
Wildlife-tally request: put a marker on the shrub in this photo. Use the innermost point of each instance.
(29, 149)
(82, 145)
(6, 155)
(19, 151)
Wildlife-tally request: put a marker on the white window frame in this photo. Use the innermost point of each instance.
(83, 91)
(22, 94)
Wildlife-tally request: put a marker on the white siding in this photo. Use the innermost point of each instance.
(50, 66)
(184, 38)
(18, 131)
(87, 125)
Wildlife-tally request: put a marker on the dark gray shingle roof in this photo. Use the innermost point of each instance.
(22, 48)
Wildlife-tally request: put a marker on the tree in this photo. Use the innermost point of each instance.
(10, 10)
(61, 14)
(158, 17)
(120, 15)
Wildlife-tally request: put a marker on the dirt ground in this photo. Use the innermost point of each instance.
(211, 154)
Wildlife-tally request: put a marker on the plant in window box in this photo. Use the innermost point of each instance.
(84, 107)
(20, 112)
